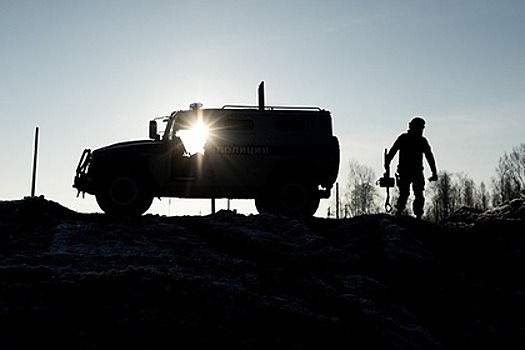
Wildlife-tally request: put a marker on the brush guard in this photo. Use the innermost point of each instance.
(81, 181)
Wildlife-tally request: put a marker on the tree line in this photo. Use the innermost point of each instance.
(361, 195)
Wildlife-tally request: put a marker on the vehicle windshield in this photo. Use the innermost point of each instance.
(189, 126)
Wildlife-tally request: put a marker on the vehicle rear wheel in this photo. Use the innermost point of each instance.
(124, 195)
(298, 200)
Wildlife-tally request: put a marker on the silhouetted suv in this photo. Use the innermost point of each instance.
(286, 158)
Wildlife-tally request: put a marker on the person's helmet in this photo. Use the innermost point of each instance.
(417, 123)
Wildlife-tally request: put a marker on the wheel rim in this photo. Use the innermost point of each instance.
(294, 197)
(123, 191)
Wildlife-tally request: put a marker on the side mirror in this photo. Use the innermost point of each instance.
(153, 130)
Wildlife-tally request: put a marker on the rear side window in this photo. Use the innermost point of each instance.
(290, 125)
(237, 124)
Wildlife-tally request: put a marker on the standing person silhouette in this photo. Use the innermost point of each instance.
(412, 145)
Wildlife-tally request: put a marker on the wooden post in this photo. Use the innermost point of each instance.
(35, 157)
(337, 200)
(213, 205)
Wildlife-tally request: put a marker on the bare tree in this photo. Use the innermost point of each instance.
(451, 192)
(467, 190)
(361, 195)
(509, 182)
(483, 197)
(444, 197)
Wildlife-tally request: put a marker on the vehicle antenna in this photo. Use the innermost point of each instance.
(261, 96)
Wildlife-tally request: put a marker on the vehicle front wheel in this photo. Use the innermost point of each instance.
(124, 195)
(264, 203)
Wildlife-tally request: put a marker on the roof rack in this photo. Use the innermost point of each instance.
(262, 106)
(272, 108)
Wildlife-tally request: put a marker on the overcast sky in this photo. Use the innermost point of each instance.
(91, 73)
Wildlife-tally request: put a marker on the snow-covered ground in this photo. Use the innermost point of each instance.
(71, 280)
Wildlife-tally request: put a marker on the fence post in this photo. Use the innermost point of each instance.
(35, 157)
(337, 200)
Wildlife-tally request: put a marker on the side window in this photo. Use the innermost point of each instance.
(290, 125)
(237, 124)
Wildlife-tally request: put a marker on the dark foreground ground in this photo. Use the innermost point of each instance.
(87, 281)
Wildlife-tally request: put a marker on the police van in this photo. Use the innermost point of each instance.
(285, 158)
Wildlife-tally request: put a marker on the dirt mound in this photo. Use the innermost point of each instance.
(70, 280)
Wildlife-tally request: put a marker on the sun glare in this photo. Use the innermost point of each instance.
(194, 139)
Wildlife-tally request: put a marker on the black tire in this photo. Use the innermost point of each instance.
(264, 203)
(124, 194)
(297, 200)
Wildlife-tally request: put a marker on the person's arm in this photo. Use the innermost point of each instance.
(431, 162)
(393, 150)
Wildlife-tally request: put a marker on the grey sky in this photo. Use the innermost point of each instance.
(90, 73)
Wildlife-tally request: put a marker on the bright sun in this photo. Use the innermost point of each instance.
(194, 139)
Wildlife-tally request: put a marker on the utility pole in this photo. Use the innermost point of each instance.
(35, 158)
